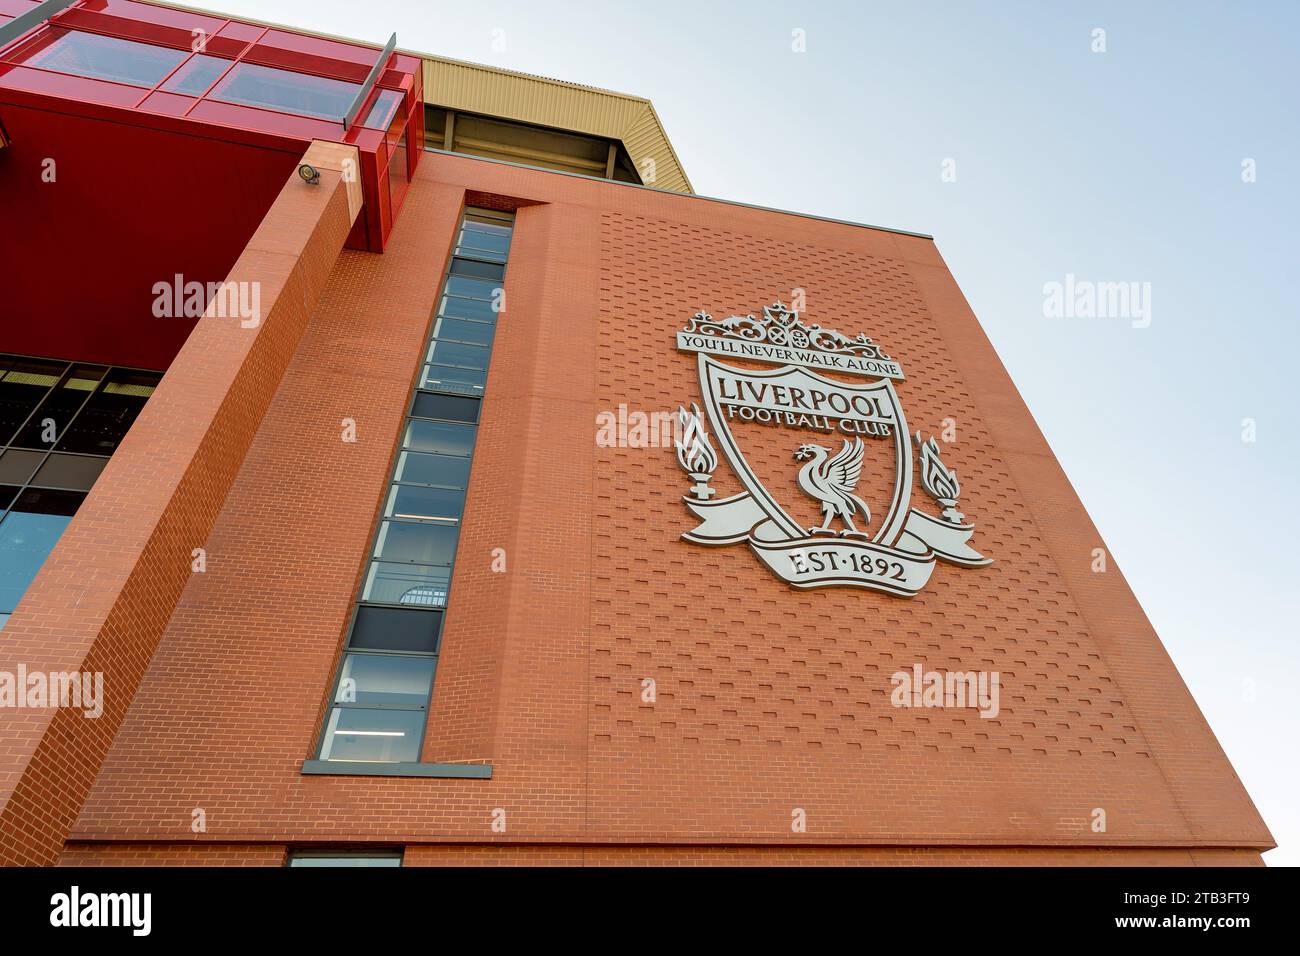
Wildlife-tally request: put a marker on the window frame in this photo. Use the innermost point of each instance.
(330, 853)
(66, 369)
(431, 337)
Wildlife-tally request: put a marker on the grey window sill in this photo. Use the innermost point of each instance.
(476, 771)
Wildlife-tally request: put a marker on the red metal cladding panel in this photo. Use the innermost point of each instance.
(63, 86)
(123, 207)
(305, 128)
(53, 68)
(244, 32)
(156, 173)
(170, 104)
(147, 13)
(175, 28)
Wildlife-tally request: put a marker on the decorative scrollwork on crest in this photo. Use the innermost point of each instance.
(781, 326)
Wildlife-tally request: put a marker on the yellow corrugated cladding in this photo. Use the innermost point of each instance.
(475, 88)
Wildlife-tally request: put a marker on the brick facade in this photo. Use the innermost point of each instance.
(216, 854)
(103, 598)
(769, 699)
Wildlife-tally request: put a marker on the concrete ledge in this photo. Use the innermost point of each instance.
(474, 771)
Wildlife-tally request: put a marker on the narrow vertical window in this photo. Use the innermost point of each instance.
(381, 694)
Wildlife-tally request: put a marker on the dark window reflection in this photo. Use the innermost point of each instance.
(54, 415)
(18, 465)
(447, 407)
(416, 543)
(103, 423)
(396, 629)
(76, 472)
(23, 384)
(482, 270)
(81, 410)
(251, 84)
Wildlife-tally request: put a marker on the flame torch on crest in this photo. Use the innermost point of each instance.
(939, 480)
(694, 453)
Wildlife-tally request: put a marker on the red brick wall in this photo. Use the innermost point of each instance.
(769, 699)
(156, 854)
(105, 594)
(164, 854)
(814, 856)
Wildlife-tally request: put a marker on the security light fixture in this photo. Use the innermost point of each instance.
(310, 174)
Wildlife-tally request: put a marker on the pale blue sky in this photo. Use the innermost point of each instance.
(1115, 166)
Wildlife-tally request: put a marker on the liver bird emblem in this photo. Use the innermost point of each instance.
(832, 480)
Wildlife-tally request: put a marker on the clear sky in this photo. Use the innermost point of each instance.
(1117, 166)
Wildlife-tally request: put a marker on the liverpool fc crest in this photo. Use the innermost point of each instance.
(894, 548)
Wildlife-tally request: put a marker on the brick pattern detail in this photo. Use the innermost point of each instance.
(1060, 700)
(480, 855)
(172, 854)
(104, 596)
(768, 699)
(162, 854)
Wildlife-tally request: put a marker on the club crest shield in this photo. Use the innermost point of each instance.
(837, 428)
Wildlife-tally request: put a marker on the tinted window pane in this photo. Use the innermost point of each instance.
(457, 330)
(406, 584)
(480, 220)
(468, 381)
(418, 503)
(416, 543)
(473, 288)
(196, 75)
(468, 309)
(397, 166)
(26, 540)
(485, 241)
(459, 354)
(17, 466)
(252, 85)
(22, 386)
(479, 252)
(382, 680)
(386, 736)
(108, 58)
(450, 407)
(481, 270)
(345, 859)
(55, 414)
(486, 235)
(69, 471)
(42, 501)
(382, 111)
(396, 629)
(439, 437)
(7, 495)
(433, 470)
(102, 424)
